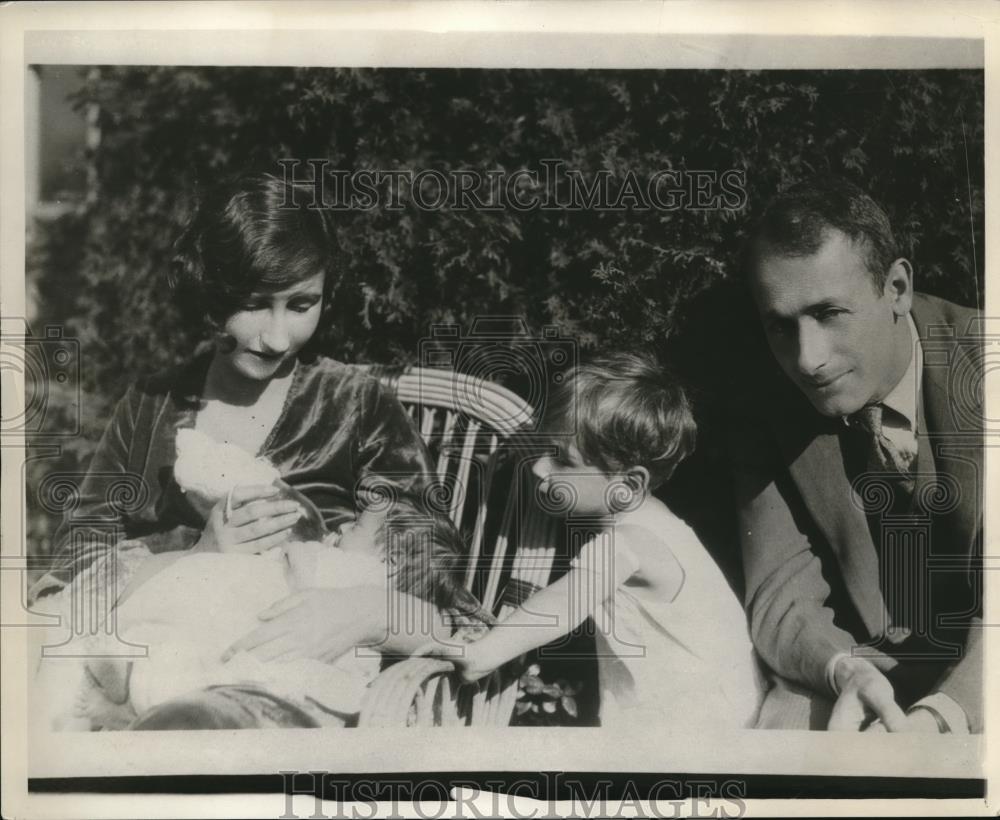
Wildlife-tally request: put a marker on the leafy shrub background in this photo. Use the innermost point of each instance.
(914, 139)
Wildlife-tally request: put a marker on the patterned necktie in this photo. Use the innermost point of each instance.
(883, 455)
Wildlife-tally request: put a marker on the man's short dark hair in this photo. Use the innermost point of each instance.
(796, 223)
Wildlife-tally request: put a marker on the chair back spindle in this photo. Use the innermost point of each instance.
(472, 428)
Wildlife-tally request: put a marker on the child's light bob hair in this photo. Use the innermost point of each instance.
(625, 410)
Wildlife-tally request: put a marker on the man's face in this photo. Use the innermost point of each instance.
(842, 344)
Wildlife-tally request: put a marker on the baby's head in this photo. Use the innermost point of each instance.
(424, 551)
(366, 533)
(627, 424)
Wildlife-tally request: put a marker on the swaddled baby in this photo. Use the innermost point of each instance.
(189, 613)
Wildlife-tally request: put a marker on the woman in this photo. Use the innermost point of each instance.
(258, 270)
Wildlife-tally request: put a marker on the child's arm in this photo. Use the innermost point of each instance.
(554, 611)
(545, 616)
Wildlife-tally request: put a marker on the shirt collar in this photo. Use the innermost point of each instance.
(902, 399)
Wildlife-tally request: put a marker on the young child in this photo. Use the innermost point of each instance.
(189, 612)
(672, 640)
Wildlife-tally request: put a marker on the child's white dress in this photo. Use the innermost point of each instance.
(688, 661)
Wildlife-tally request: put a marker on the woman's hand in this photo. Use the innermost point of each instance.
(249, 521)
(316, 623)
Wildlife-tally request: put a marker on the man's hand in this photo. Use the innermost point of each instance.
(935, 713)
(864, 692)
(919, 720)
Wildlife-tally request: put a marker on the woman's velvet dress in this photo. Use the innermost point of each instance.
(339, 432)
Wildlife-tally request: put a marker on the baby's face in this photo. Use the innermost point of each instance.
(361, 535)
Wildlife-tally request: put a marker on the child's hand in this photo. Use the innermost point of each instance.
(469, 663)
(473, 663)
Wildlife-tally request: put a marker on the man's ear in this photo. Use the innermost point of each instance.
(899, 286)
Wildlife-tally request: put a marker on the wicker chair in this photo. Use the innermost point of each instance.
(472, 429)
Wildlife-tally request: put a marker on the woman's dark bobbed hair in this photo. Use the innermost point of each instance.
(250, 234)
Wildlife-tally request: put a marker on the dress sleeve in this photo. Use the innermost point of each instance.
(92, 507)
(97, 507)
(389, 450)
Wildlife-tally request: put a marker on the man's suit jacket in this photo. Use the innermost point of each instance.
(812, 568)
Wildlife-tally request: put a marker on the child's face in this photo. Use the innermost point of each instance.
(575, 487)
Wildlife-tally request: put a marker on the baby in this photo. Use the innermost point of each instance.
(672, 640)
(189, 612)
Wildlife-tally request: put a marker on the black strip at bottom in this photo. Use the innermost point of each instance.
(586, 786)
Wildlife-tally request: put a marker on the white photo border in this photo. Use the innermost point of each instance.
(720, 35)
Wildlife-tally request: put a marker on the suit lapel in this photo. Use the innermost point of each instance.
(947, 443)
(818, 472)
(950, 437)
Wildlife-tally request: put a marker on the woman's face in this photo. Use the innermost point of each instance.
(263, 337)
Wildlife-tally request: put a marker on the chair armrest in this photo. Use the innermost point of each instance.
(428, 692)
(399, 695)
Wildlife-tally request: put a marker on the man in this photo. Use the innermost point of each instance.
(859, 477)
